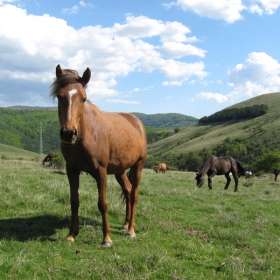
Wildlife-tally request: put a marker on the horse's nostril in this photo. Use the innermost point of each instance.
(68, 135)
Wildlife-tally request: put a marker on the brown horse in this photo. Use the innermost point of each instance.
(49, 158)
(161, 168)
(98, 143)
(220, 166)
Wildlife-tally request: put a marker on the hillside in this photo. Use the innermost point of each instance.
(257, 135)
(166, 121)
(9, 152)
(20, 127)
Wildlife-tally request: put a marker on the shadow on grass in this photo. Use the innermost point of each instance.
(39, 228)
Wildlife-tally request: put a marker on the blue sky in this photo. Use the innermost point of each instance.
(193, 57)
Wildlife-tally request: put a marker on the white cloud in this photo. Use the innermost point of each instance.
(212, 96)
(267, 6)
(258, 68)
(6, 1)
(76, 8)
(255, 9)
(227, 10)
(71, 11)
(31, 47)
(122, 101)
(259, 74)
(144, 27)
(178, 50)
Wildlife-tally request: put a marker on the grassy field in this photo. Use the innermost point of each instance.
(182, 232)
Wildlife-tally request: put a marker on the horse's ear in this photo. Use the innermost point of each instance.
(86, 76)
(58, 71)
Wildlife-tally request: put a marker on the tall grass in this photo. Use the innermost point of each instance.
(182, 232)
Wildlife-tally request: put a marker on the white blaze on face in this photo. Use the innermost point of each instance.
(72, 92)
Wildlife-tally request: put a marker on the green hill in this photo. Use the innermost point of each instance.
(166, 121)
(20, 127)
(244, 139)
(9, 152)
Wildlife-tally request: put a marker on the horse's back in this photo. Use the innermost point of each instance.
(220, 165)
(126, 138)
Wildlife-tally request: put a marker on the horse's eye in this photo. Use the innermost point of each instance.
(84, 100)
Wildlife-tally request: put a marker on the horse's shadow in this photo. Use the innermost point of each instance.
(40, 228)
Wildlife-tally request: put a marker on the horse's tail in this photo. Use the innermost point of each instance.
(240, 168)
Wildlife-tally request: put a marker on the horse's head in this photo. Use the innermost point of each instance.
(199, 179)
(69, 88)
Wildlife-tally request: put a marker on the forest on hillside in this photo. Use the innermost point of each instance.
(236, 114)
(167, 121)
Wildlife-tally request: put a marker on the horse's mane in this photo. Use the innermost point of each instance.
(69, 77)
(206, 165)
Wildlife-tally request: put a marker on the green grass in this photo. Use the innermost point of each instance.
(182, 232)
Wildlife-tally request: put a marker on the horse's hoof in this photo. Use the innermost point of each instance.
(106, 244)
(123, 229)
(70, 238)
(131, 235)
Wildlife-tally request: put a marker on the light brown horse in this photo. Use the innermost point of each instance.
(98, 143)
(161, 168)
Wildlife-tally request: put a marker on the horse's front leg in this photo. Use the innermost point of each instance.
(210, 183)
(228, 181)
(73, 178)
(103, 206)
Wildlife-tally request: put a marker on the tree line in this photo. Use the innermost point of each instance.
(236, 114)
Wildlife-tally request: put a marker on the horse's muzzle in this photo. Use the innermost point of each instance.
(68, 136)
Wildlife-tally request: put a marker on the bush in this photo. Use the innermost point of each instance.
(58, 162)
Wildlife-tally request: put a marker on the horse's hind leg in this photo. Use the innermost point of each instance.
(228, 181)
(126, 189)
(135, 178)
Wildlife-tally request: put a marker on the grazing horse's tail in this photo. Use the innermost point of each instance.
(240, 169)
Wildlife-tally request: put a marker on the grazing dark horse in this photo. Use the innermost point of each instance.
(161, 168)
(220, 166)
(98, 143)
(49, 158)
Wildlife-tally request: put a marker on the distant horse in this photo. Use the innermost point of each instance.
(220, 166)
(49, 158)
(161, 168)
(98, 143)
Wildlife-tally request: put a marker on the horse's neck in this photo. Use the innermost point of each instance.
(205, 167)
(91, 111)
